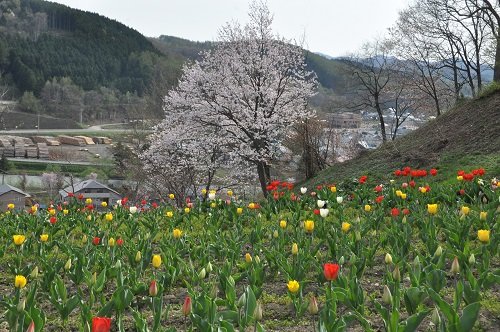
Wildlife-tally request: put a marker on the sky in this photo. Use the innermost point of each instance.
(331, 27)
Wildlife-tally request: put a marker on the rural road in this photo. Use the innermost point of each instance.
(102, 127)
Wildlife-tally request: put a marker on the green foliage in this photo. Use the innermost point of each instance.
(30, 103)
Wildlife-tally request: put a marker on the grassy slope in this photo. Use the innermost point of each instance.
(465, 137)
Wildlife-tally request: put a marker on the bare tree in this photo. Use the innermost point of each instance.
(372, 71)
(420, 57)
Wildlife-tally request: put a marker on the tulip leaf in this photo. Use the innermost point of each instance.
(436, 279)
(413, 322)
(226, 326)
(70, 305)
(413, 297)
(38, 318)
(229, 315)
(140, 323)
(446, 309)
(100, 281)
(469, 316)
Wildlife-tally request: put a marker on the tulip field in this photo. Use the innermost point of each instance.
(417, 252)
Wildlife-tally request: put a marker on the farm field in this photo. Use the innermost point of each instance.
(418, 252)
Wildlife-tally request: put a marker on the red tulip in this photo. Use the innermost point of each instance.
(187, 306)
(153, 288)
(316, 212)
(433, 172)
(331, 271)
(119, 242)
(363, 179)
(379, 199)
(31, 327)
(406, 212)
(395, 212)
(53, 220)
(96, 240)
(101, 324)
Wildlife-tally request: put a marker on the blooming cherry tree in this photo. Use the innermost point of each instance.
(246, 92)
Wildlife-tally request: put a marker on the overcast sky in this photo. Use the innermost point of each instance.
(332, 27)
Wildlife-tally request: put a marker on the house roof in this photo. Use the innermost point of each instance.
(87, 184)
(5, 188)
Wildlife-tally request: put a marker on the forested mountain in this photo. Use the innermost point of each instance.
(69, 63)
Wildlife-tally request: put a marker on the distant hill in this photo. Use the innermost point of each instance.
(332, 73)
(464, 137)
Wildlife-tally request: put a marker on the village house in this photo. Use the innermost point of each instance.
(12, 195)
(97, 191)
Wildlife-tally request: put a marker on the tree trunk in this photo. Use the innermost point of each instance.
(263, 171)
(496, 68)
(381, 119)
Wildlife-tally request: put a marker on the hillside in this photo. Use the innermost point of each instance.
(332, 74)
(464, 137)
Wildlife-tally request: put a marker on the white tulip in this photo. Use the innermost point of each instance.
(324, 212)
(321, 203)
(303, 190)
(133, 209)
(340, 199)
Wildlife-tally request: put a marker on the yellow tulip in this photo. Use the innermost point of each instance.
(104, 204)
(187, 210)
(248, 258)
(177, 233)
(10, 206)
(203, 191)
(230, 193)
(171, 196)
(169, 214)
(403, 196)
(432, 208)
(156, 261)
(89, 218)
(239, 210)
(309, 225)
(213, 205)
(465, 210)
(34, 208)
(293, 286)
(423, 190)
(251, 205)
(333, 189)
(20, 281)
(111, 242)
(283, 224)
(368, 208)
(19, 239)
(483, 235)
(44, 237)
(345, 227)
(483, 215)
(460, 178)
(52, 211)
(88, 201)
(399, 193)
(109, 216)
(295, 249)
(65, 211)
